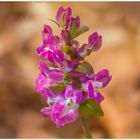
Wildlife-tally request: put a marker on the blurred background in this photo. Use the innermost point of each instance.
(20, 33)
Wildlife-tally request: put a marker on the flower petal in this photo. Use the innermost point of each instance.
(103, 76)
(41, 82)
(46, 111)
(59, 13)
(47, 29)
(69, 118)
(94, 41)
(90, 90)
(78, 96)
(47, 93)
(99, 98)
(59, 56)
(57, 115)
(57, 110)
(68, 92)
(63, 16)
(39, 49)
(53, 74)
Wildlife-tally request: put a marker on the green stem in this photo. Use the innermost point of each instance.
(85, 128)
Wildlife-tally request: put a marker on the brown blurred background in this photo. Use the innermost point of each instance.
(20, 33)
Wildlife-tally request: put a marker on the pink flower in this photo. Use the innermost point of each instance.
(63, 108)
(94, 44)
(101, 79)
(51, 47)
(63, 16)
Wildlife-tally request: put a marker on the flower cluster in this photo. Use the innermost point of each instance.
(66, 80)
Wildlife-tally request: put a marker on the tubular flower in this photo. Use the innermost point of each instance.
(66, 81)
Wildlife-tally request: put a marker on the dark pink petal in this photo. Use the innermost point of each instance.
(44, 54)
(107, 80)
(94, 95)
(46, 111)
(59, 13)
(56, 112)
(78, 96)
(68, 92)
(56, 56)
(99, 98)
(64, 15)
(67, 16)
(48, 55)
(69, 118)
(90, 90)
(47, 93)
(98, 44)
(47, 29)
(60, 55)
(75, 95)
(51, 43)
(43, 67)
(92, 38)
(40, 82)
(51, 73)
(56, 75)
(103, 76)
(39, 49)
(94, 41)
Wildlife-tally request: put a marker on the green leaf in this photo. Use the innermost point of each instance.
(82, 30)
(90, 108)
(57, 89)
(74, 33)
(84, 67)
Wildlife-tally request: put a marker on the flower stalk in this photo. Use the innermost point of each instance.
(85, 128)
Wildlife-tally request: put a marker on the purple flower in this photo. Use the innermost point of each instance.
(94, 43)
(48, 77)
(51, 73)
(42, 82)
(65, 79)
(51, 47)
(101, 79)
(63, 108)
(63, 16)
